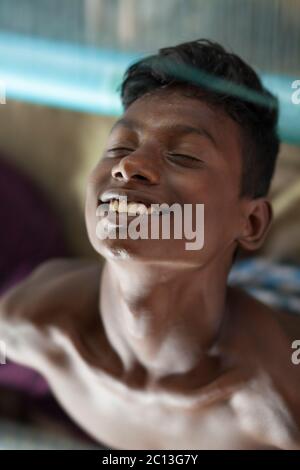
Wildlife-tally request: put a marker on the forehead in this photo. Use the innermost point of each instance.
(163, 107)
(168, 112)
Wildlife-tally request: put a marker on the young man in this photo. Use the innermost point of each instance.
(153, 349)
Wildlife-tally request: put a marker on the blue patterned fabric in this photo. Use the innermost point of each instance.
(276, 284)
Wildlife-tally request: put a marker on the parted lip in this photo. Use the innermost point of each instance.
(132, 195)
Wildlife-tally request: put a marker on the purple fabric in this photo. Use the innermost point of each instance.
(30, 233)
(23, 379)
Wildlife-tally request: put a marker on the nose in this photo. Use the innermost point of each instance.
(136, 167)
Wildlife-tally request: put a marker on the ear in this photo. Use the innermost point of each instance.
(256, 220)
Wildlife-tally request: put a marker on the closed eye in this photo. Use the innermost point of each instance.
(184, 159)
(118, 150)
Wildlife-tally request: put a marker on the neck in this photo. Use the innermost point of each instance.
(166, 318)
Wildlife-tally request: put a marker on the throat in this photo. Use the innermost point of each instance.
(167, 329)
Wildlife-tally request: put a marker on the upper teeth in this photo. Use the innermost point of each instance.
(132, 208)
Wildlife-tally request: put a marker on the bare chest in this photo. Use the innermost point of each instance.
(124, 418)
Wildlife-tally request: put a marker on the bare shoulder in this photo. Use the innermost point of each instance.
(58, 294)
(51, 285)
(286, 322)
(264, 338)
(268, 332)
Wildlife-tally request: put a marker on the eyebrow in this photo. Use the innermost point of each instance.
(182, 129)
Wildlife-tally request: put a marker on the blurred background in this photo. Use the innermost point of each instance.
(61, 62)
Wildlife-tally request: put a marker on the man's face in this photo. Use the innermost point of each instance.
(170, 148)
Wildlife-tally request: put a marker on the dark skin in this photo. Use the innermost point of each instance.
(151, 349)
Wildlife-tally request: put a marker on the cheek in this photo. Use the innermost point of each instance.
(220, 209)
(197, 189)
(187, 188)
(99, 173)
(221, 218)
(96, 182)
(90, 211)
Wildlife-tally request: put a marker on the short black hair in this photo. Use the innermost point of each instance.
(257, 120)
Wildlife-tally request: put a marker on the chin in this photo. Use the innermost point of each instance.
(168, 252)
(122, 247)
(118, 249)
